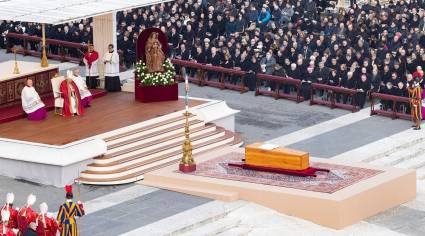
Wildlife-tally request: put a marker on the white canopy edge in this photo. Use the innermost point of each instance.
(61, 11)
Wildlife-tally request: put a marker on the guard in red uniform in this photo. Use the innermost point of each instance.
(46, 225)
(4, 228)
(26, 215)
(13, 219)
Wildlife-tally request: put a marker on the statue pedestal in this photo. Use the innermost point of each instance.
(159, 93)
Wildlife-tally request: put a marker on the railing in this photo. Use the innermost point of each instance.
(202, 78)
(331, 100)
(62, 46)
(395, 104)
(278, 82)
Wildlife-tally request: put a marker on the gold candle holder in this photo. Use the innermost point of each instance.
(187, 163)
(44, 61)
(16, 69)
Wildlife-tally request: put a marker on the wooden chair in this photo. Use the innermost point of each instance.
(56, 82)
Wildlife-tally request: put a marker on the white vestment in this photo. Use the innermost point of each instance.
(31, 101)
(82, 87)
(112, 67)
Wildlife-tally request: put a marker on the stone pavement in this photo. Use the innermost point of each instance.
(131, 209)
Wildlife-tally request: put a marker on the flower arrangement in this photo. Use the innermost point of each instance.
(156, 78)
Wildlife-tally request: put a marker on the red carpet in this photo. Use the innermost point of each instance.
(15, 112)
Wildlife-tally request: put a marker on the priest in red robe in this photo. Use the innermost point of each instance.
(13, 216)
(91, 59)
(5, 230)
(26, 215)
(46, 225)
(71, 95)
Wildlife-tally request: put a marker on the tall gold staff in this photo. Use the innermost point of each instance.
(78, 200)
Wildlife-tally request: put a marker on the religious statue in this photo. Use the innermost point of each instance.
(154, 55)
(415, 103)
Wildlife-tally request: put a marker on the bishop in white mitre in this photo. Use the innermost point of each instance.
(86, 96)
(31, 103)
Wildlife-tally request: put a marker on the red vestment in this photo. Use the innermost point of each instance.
(66, 94)
(6, 231)
(13, 219)
(48, 227)
(91, 57)
(25, 216)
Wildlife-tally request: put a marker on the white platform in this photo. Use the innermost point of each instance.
(60, 165)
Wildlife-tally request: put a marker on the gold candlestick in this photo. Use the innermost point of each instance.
(16, 69)
(187, 163)
(44, 62)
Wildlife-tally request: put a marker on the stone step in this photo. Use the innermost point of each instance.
(395, 148)
(413, 163)
(141, 138)
(159, 141)
(192, 219)
(106, 161)
(244, 230)
(400, 155)
(148, 129)
(214, 228)
(153, 157)
(134, 177)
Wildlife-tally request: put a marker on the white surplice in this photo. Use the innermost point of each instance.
(112, 66)
(82, 87)
(31, 101)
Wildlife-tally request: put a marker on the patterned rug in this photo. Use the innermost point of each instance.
(338, 178)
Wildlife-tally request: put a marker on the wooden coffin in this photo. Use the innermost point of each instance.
(279, 157)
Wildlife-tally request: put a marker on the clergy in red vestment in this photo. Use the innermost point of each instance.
(13, 218)
(4, 228)
(26, 215)
(91, 59)
(46, 225)
(71, 95)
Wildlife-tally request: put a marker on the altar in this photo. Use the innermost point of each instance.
(11, 84)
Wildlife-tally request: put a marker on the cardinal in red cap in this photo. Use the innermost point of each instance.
(67, 213)
(26, 215)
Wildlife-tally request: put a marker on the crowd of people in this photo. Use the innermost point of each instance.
(369, 47)
(25, 221)
(78, 32)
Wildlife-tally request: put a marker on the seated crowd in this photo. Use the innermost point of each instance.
(369, 47)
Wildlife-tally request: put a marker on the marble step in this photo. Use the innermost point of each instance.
(406, 145)
(158, 141)
(127, 142)
(198, 142)
(147, 129)
(413, 163)
(192, 219)
(126, 158)
(214, 228)
(135, 172)
(400, 155)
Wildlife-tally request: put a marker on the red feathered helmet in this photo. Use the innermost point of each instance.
(68, 189)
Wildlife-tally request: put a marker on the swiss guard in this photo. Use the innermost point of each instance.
(67, 213)
(416, 102)
(13, 218)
